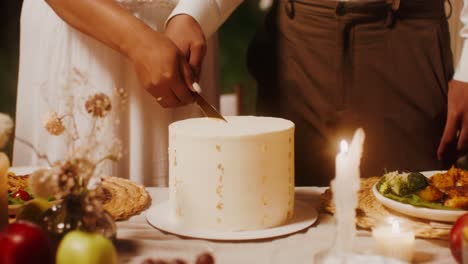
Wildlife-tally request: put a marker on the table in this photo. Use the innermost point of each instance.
(137, 241)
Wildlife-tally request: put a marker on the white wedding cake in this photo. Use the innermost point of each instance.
(231, 176)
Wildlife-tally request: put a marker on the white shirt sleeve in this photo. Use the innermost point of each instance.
(462, 70)
(210, 14)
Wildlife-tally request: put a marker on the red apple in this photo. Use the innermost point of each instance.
(25, 243)
(456, 236)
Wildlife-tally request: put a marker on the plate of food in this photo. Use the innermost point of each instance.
(432, 195)
(18, 189)
(19, 192)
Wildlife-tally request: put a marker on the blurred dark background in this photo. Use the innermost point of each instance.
(234, 37)
(9, 46)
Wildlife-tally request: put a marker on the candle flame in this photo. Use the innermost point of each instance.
(344, 146)
(395, 226)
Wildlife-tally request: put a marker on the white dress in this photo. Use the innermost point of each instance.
(50, 51)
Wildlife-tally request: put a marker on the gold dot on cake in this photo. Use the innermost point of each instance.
(264, 200)
(220, 206)
(218, 148)
(221, 167)
(179, 211)
(288, 215)
(218, 220)
(264, 178)
(175, 161)
(290, 140)
(264, 147)
(219, 190)
(264, 219)
(289, 155)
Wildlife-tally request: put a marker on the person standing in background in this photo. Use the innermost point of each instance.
(333, 66)
(159, 45)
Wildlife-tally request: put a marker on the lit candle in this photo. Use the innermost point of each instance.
(345, 187)
(393, 241)
(4, 166)
(341, 161)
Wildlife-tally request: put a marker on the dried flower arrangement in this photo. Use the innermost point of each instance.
(76, 175)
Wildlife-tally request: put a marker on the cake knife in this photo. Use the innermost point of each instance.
(207, 108)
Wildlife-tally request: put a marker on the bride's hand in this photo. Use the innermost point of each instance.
(188, 36)
(163, 70)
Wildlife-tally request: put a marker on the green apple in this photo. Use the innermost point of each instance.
(78, 247)
(33, 210)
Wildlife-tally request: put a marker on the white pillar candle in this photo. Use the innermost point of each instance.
(345, 187)
(393, 241)
(341, 161)
(4, 166)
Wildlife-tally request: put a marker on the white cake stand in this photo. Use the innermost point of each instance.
(305, 215)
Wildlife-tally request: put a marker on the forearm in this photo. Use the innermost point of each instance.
(105, 21)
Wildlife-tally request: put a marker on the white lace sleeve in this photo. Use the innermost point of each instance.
(210, 14)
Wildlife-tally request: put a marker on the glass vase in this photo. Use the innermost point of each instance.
(73, 213)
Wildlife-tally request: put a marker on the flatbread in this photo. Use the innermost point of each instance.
(124, 198)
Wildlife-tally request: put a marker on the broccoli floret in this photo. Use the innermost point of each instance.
(383, 186)
(400, 186)
(416, 182)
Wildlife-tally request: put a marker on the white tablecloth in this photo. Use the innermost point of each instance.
(137, 241)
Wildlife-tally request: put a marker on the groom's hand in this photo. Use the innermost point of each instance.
(188, 36)
(456, 127)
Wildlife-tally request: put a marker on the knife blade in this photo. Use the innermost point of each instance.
(207, 108)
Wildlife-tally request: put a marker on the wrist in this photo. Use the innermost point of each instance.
(183, 18)
(142, 40)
